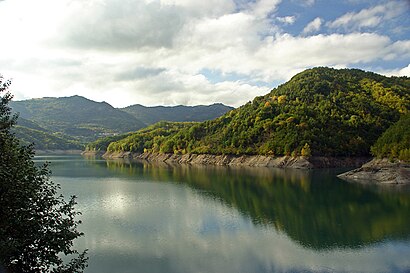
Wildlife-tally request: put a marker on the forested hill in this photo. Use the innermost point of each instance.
(76, 116)
(180, 113)
(321, 111)
(44, 140)
(48, 122)
(29, 132)
(395, 141)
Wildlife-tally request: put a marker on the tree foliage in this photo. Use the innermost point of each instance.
(149, 139)
(37, 225)
(395, 142)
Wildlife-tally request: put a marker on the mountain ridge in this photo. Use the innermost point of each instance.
(179, 113)
(76, 116)
(79, 119)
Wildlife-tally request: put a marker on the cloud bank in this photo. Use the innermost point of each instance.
(155, 52)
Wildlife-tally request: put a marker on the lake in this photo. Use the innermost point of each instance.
(141, 217)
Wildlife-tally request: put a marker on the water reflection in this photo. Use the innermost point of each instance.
(140, 217)
(314, 208)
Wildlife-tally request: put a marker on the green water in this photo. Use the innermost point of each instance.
(140, 217)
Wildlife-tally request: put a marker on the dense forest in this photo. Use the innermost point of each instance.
(321, 111)
(143, 140)
(395, 142)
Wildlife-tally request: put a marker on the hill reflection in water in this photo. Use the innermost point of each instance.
(314, 208)
(140, 217)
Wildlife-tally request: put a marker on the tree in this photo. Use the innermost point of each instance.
(306, 151)
(37, 226)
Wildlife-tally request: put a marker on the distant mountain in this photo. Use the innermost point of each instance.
(67, 122)
(151, 115)
(321, 111)
(76, 116)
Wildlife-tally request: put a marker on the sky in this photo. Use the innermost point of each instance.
(190, 52)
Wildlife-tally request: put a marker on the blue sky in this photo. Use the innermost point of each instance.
(329, 11)
(169, 52)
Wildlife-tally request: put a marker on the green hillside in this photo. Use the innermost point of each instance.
(44, 140)
(101, 144)
(76, 116)
(180, 113)
(321, 111)
(29, 132)
(146, 138)
(30, 124)
(395, 141)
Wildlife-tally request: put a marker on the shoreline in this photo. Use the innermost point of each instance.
(370, 171)
(299, 162)
(381, 172)
(92, 153)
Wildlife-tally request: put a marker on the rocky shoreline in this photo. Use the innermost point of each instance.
(87, 153)
(380, 171)
(369, 171)
(299, 162)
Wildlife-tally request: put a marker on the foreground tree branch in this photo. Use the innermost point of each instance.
(38, 226)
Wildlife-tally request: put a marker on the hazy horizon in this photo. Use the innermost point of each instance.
(147, 106)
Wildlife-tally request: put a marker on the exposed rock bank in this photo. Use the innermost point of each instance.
(244, 160)
(380, 171)
(92, 153)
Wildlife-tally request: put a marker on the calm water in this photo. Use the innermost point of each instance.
(139, 217)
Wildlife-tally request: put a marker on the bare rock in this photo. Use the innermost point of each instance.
(380, 171)
(299, 162)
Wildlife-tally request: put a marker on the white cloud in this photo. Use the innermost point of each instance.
(405, 71)
(209, 8)
(308, 3)
(289, 20)
(287, 53)
(127, 26)
(153, 52)
(371, 17)
(313, 26)
(262, 8)
(399, 50)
